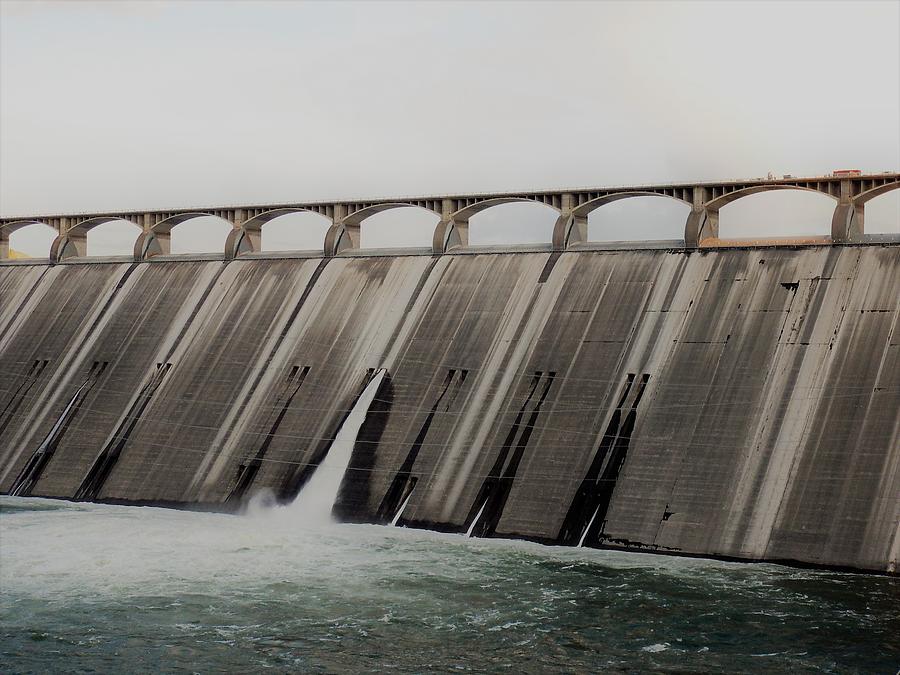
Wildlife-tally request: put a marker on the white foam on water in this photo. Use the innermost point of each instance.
(656, 648)
(316, 499)
(57, 550)
(95, 584)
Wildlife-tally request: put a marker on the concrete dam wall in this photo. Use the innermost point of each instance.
(735, 402)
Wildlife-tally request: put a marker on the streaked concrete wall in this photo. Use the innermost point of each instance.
(765, 384)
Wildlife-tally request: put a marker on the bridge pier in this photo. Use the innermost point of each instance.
(149, 244)
(703, 220)
(253, 236)
(240, 241)
(571, 227)
(68, 246)
(71, 242)
(569, 230)
(450, 232)
(342, 234)
(702, 225)
(847, 224)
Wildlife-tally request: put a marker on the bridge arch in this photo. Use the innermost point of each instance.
(156, 239)
(856, 211)
(574, 228)
(254, 226)
(776, 216)
(256, 221)
(871, 193)
(359, 215)
(84, 226)
(165, 225)
(453, 229)
(703, 224)
(583, 210)
(72, 241)
(399, 228)
(725, 199)
(114, 236)
(345, 233)
(10, 228)
(467, 212)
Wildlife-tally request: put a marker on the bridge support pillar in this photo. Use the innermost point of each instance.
(151, 242)
(570, 228)
(240, 241)
(848, 223)
(702, 225)
(70, 243)
(343, 233)
(4, 244)
(702, 222)
(68, 246)
(451, 232)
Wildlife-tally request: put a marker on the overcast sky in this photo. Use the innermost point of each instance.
(148, 105)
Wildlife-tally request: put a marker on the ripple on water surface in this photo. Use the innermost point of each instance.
(113, 589)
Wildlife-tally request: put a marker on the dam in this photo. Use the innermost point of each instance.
(740, 402)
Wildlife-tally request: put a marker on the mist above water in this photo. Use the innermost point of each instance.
(115, 588)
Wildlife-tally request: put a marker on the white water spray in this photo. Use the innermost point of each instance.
(588, 528)
(317, 497)
(401, 509)
(477, 518)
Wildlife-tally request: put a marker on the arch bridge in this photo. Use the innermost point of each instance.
(452, 231)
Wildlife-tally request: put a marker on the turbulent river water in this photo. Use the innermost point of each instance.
(96, 588)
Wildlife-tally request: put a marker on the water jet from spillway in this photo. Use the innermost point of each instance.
(318, 496)
(400, 511)
(588, 527)
(471, 530)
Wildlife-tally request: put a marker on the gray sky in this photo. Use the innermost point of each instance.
(148, 105)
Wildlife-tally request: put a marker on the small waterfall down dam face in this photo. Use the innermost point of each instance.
(317, 498)
(741, 403)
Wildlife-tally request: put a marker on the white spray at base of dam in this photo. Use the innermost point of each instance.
(317, 497)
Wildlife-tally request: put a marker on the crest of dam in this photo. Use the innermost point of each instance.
(738, 402)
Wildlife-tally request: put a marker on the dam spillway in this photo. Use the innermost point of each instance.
(736, 402)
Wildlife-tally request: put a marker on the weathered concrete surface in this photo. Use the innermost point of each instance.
(740, 402)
